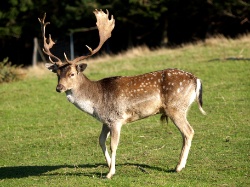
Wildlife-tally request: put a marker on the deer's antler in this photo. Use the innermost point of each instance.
(105, 27)
(48, 42)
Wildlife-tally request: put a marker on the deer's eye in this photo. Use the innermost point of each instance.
(72, 75)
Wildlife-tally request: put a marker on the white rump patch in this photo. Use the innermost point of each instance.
(192, 97)
(198, 87)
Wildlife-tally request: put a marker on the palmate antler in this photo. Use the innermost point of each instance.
(104, 25)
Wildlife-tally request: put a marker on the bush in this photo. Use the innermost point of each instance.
(8, 72)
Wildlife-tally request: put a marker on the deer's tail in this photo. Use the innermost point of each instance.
(199, 96)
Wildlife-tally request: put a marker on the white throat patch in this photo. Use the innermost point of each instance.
(84, 105)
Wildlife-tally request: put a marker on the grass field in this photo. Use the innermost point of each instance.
(46, 141)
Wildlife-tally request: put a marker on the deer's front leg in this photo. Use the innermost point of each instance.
(102, 141)
(115, 137)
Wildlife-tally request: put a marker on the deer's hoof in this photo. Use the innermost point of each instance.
(179, 168)
(109, 176)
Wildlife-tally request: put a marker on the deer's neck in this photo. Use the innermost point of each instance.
(85, 95)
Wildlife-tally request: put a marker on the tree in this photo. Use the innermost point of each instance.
(138, 22)
(11, 13)
(141, 18)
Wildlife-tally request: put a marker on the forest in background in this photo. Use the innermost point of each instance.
(138, 22)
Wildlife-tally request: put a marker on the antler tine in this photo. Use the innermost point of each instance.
(79, 58)
(49, 45)
(105, 27)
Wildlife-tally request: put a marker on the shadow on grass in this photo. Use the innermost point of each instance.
(143, 167)
(27, 171)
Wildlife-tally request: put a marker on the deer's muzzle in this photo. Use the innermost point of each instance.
(60, 88)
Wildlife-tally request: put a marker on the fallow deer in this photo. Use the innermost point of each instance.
(115, 101)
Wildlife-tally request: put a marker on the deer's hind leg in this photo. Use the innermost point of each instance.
(187, 132)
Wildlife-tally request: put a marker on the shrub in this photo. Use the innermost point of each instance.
(9, 72)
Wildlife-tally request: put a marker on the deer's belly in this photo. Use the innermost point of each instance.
(142, 109)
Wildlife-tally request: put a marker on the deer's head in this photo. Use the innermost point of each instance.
(69, 70)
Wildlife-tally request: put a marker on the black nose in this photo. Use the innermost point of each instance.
(59, 88)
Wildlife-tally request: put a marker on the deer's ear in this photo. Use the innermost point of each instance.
(81, 67)
(51, 67)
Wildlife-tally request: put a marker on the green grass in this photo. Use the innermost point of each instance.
(46, 141)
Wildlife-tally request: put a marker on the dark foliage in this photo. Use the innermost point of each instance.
(154, 23)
